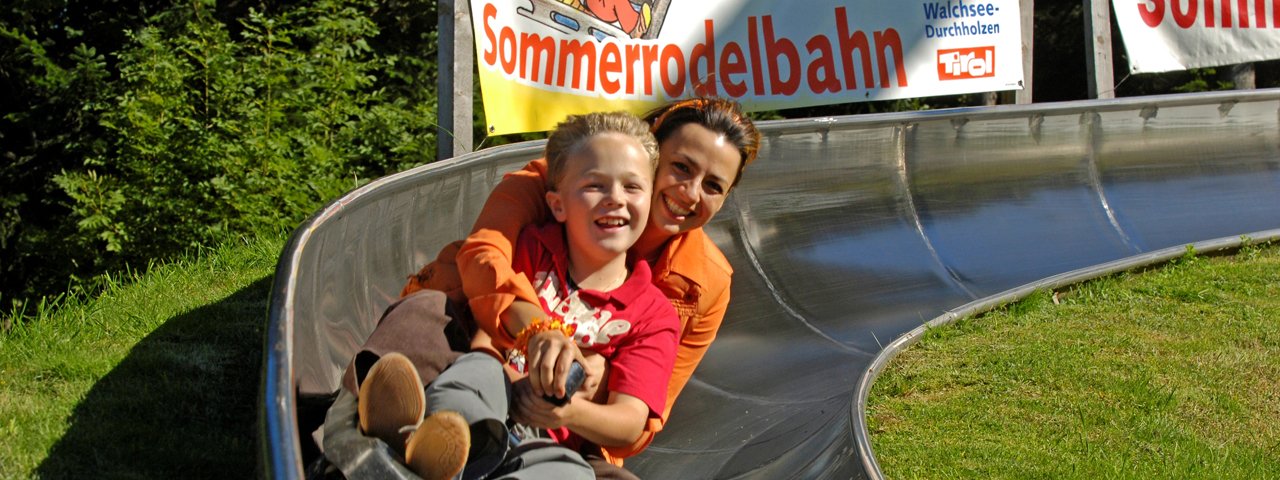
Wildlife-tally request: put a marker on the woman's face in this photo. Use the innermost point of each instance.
(696, 168)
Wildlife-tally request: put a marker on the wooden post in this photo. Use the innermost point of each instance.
(454, 82)
(1097, 33)
(1028, 9)
(1244, 76)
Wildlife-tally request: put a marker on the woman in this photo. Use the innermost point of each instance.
(704, 144)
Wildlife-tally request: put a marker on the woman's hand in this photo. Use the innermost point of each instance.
(547, 361)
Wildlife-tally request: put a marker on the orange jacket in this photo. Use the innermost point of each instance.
(692, 273)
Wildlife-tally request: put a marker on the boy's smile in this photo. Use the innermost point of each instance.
(603, 199)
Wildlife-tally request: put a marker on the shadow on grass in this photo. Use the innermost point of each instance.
(182, 403)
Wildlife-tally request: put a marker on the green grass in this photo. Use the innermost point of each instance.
(1173, 372)
(156, 378)
(1166, 373)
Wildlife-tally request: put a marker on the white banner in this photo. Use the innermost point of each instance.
(1166, 35)
(542, 59)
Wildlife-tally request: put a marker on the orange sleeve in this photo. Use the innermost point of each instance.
(441, 274)
(697, 336)
(484, 259)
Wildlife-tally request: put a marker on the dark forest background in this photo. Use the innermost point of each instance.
(133, 132)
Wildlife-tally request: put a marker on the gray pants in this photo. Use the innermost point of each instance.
(431, 331)
(476, 386)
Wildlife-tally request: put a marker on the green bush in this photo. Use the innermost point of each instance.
(208, 128)
(133, 130)
(48, 96)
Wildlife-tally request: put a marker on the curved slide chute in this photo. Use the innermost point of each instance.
(847, 236)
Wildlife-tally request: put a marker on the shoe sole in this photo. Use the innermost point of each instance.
(438, 449)
(391, 398)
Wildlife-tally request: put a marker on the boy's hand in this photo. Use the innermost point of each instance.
(595, 366)
(616, 423)
(548, 359)
(530, 408)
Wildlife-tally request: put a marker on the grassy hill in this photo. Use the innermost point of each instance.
(1164, 373)
(156, 378)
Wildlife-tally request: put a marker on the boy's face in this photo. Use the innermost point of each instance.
(603, 199)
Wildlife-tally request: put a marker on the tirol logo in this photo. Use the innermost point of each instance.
(961, 63)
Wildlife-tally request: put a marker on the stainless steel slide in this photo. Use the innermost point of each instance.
(846, 237)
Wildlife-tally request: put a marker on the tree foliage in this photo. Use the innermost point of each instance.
(203, 123)
(133, 130)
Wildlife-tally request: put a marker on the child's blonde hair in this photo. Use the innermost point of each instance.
(569, 135)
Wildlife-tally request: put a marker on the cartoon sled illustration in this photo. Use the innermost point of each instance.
(600, 18)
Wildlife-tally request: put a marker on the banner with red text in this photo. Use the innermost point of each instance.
(540, 60)
(1166, 35)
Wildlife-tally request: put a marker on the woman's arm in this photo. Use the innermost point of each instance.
(517, 200)
(484, 259)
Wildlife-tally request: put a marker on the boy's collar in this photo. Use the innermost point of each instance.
(552, 237)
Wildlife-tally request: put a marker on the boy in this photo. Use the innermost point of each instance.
(600, 176)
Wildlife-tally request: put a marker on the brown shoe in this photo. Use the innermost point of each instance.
(438, 449)
(390, 399)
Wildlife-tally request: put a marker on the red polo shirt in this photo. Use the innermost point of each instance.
(692, 273)
(633, 326)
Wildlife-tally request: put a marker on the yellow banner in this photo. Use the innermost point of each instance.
(540, 60)
(511, 107)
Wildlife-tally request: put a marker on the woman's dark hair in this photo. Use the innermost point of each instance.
(721, 116)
